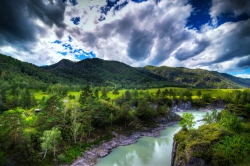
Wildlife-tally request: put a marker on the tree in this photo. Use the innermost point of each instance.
(96, 93)
(123, 114)
(50, 140)
(11, 127)
(85, 94)
(75, 125)
(127, 95)
(135, 93)
(144, 111)
(198, 93)
(206, 98)
(51, 113)
(187, 121)
(164, 93)
(171, 93)
(158, 93)
(115, 92)
(104, 92)
(211, 117)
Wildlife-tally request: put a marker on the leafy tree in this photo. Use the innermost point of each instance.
(206, 97)
(144, 111)
(85, 94)
(127, 95)
(123, 114)
(51, 113)
(75, 124)
(134, 93)
(211, 117)
(96, 93)
(198, 93)
(230, 121)
(115, 92)
(187, 121)
(158, 93)
(104, 92)
(171, 92)
(12, 125)
(51, 140)
(188, 95)
(164, 93)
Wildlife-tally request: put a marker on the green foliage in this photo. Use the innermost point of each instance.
(144, 111)
(187, 121)
(230, 121)
(211, 117)
(51, 140)
(3, 159)
(231, 150)
(206, 97)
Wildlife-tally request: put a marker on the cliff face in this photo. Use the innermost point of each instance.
(194, 147)
(185, 160)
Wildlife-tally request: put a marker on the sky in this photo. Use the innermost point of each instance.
(207, 34)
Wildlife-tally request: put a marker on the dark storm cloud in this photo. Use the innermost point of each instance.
(90, 39)
(245, 62)
(140, 44)
(236, 43)
(170, 37)
(17, 19)
(186, 52)
(50, 13)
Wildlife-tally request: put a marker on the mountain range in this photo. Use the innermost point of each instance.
(100, 72)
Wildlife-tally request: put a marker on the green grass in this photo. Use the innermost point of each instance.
(215, 93)
(39, 95)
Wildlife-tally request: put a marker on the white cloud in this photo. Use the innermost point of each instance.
(243, 75)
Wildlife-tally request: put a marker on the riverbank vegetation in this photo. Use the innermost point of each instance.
(56, 125)
(223, 140)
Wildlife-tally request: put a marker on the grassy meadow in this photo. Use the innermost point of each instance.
(214, 92)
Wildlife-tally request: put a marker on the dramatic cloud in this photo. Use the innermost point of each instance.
(213, 35)
(233, 7)
(244, 63)
(140, 45)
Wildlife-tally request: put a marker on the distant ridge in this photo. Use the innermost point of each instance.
(100, 72)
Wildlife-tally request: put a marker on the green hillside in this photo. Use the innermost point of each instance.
(98, 72)
(198, 77)
(107, 73)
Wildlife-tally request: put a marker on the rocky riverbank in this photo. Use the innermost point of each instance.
(90, 157)
(187, 106)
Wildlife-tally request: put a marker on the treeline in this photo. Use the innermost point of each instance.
(62, 128)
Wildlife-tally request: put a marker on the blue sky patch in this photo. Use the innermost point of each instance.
(75, 20)
(200, 14)
(85, 55)
(57, 42)
(228, 17)
(139, 1)
(73, 2)
(119, 7)
(62, 53)
(67, 46)
(70, 38)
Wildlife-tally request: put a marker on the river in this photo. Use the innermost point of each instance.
(148, 151)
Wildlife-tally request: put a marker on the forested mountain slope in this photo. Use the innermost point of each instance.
(101, 72)
(198, 77)
(98, 72)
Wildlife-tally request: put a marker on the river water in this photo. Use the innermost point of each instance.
(148, 151)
